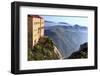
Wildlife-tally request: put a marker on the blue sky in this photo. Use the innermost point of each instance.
(83, 21)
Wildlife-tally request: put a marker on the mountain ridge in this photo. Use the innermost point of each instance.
(67, 38)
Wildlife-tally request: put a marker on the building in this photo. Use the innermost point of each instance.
(35, 29)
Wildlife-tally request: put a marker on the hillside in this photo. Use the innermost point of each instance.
(44, 50)
(81, 53)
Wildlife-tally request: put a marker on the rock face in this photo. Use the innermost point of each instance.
(82, 53)
(44, 50)
(57, 52)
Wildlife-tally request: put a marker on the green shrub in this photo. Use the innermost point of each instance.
(44, 50)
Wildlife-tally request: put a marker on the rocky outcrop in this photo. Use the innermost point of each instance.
(44, 50)
(57, 52)
(82, 53)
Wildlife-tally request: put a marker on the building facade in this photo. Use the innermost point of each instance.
(35, 29)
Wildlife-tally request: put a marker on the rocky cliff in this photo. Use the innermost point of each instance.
(81, 53)
(44, 50)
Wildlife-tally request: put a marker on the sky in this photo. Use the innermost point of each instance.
(82, 21)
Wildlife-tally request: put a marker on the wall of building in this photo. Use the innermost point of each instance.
(29, 32)
(42, 27)
(36, 29)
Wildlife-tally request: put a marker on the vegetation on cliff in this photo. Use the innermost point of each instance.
(43, 50)
(82, 53)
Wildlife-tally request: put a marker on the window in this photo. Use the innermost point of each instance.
(34, 41)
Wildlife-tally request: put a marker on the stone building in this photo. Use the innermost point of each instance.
(35, 29)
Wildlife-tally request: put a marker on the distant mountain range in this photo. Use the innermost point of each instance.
(64, 24)
(67, 38)
(49, 23)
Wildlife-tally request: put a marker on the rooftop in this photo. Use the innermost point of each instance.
(37, 16)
